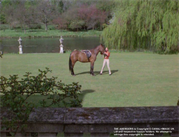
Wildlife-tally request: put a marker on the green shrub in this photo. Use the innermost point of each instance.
(35, 26)
(17, 92)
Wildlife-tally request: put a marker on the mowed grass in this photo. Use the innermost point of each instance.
(138, 79)
(50, 33)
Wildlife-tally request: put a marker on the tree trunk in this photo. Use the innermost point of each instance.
(24, 29)
(46, 27)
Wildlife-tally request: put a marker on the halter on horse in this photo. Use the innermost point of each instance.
(77, 55)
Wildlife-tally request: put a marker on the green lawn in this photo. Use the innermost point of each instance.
(138, 79)
(50, 33)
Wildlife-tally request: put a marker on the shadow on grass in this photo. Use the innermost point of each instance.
(84, 92)
(97, 72)
(36, 98)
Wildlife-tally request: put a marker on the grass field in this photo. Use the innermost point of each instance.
(50, 33)
(138, 79)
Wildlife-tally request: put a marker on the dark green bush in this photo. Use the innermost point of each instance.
(17, 92)
(35, 26)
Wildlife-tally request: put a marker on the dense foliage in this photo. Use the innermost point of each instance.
(16, 96)
(144, 24)
(65, 14)
(84, 17)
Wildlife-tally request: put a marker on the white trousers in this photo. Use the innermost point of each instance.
(104, 63)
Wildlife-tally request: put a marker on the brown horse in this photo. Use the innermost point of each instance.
(81, 56)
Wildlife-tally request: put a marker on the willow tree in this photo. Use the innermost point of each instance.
(144, 24)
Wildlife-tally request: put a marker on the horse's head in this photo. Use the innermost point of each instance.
(101, 49)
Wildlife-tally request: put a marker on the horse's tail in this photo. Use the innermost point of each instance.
(70, 64)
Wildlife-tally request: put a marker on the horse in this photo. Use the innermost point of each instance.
(77, 55)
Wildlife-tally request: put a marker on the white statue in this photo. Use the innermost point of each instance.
(61, 40)
(20, 45)
(20, 41)
(61, 44)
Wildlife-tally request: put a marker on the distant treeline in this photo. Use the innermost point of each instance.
(64, 14)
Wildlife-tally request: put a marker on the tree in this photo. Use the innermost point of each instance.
(59, 6)
(7, 12)
(73, 22)
(72, 15)
(84, 17)
(45, 12)
(2, 15)
(2, 19)
(92, 16)
(19, 13)
(25, 15)
(144, 24)
(60, 22)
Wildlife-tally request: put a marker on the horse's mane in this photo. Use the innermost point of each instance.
(98, 45)
(102, 45)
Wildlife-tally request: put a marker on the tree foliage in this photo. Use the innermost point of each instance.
(84, 17)
(18, 13)
(45, 12)
(144, 24)
(63, 13)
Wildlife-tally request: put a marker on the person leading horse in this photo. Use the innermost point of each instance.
(81, 56)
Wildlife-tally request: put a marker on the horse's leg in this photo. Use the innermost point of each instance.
(72, 61)
(72, 71)
(91, 68)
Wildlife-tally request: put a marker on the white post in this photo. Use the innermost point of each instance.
(20, 45)
(61, 44)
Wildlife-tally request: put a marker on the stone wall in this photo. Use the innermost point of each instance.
(104, 122)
